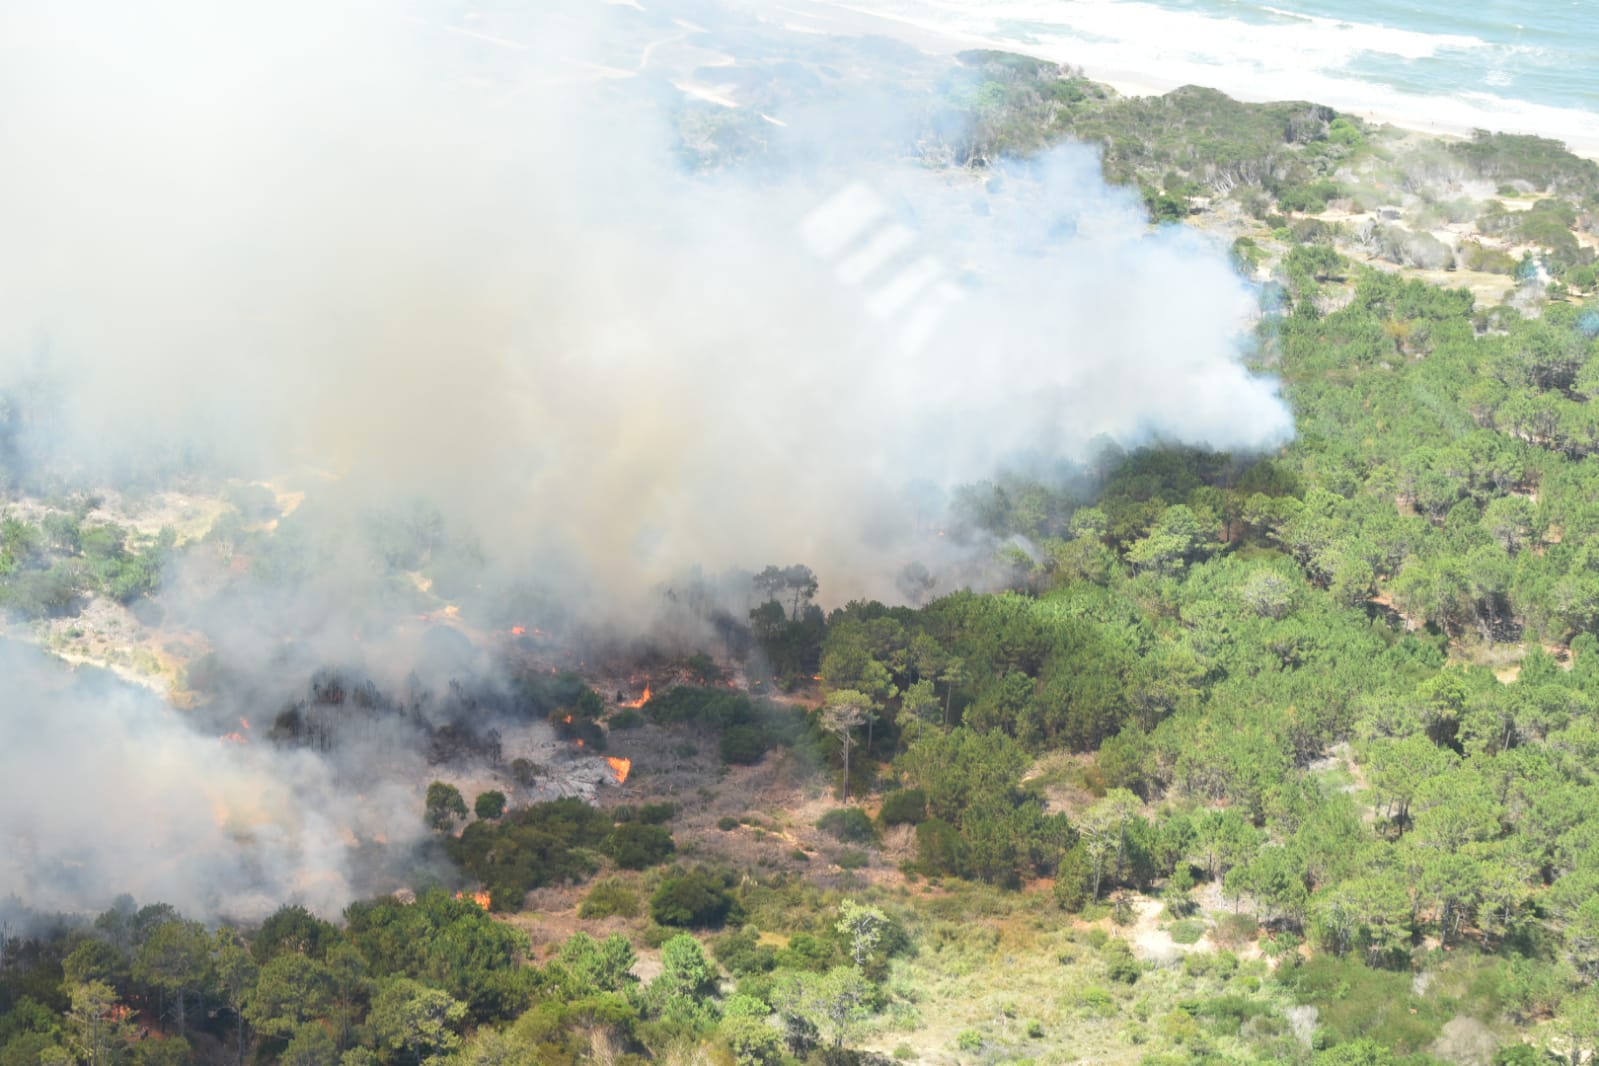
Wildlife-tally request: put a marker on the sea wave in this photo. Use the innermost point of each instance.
(1405, 76)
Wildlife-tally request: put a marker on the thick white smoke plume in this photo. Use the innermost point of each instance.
(449, 253)
(470, 267)
(107, 792)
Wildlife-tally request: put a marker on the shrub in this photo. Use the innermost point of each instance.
(1188, 931)
(635, 847)
(1073, 878)
(752, 1041)
(627, 719)
(851, 860)
(692, 900)
(489, 804)
(530, 847)
(1228, 1013)
(1309, 199)
(256, 503)
(524, 772)
(742, 953)
(1120, 965)
(657, 813)
(444, 805)
(609, 898)
(847, 824)
(744, 745)
(1234, 929)
(807, 952)
(904, 806)
(1487, 260)
(969, 1040)
(939, 848)
(1098, 1001)
(727, 823)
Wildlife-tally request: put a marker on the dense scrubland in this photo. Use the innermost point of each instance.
(1281, 758)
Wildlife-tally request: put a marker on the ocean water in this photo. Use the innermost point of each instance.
(1528, 66)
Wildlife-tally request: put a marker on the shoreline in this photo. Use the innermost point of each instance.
(844, 17)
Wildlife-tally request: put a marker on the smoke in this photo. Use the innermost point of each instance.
(386, 254)
(333, 237)
(106, 791)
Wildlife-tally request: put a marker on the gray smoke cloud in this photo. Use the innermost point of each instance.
(106, 792)
(325, 236)
(435, 252)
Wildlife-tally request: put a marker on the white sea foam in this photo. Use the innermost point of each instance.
(1301, 57)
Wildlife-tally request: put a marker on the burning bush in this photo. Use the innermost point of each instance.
(578, 720)
(585, 732)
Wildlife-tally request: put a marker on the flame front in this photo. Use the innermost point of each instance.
(517, 631)
(621, 768)
(481, 898)
(642, 700)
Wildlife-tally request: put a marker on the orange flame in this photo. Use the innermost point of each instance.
(245, 722)
(621, 768)
(517, 631)
(480, 898)
(567, 719)
(580, 742)
(642, 700)
(234, 738)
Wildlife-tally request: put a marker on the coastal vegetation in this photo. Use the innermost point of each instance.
(1250, 758)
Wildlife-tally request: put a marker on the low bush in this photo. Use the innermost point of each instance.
(610, 898)
(530, 847)
(742, 953)
(692, 899)
(847, 824)
(904, 806)
(657, 813)
(628, 718)
(635, 847)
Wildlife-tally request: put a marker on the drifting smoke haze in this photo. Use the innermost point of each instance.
(106, 792)
(382, 253)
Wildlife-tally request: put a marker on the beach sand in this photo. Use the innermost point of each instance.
(840, 17)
